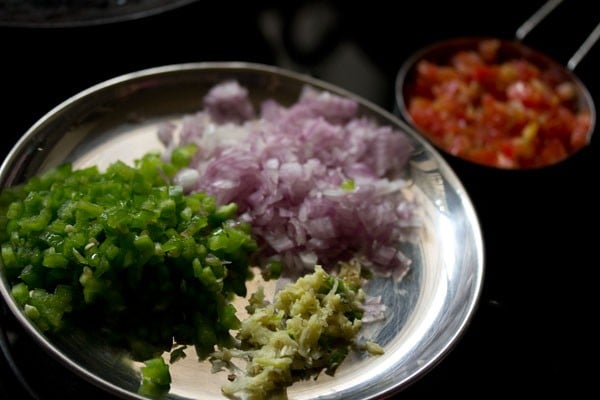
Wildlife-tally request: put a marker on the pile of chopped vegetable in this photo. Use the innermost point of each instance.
(505, 113)
(317, 182)
(310, 327)
(127, 255)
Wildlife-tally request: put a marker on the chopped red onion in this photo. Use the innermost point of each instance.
(318, 183)
(229, 102)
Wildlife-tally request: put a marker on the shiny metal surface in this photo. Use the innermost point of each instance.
(539, 16)
(67, 14)
(428, 310)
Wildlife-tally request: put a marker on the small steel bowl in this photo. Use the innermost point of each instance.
(440, 52)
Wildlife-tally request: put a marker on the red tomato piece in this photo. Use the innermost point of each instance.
(507, 114)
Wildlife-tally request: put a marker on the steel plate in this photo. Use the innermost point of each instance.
(427, 311)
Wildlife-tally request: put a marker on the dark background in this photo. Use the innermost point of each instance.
(533, 332)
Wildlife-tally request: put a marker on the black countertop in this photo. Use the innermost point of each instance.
(534, 327)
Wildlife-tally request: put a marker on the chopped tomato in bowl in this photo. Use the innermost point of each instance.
(496, 103)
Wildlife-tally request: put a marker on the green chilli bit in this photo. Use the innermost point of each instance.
(126, 254)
